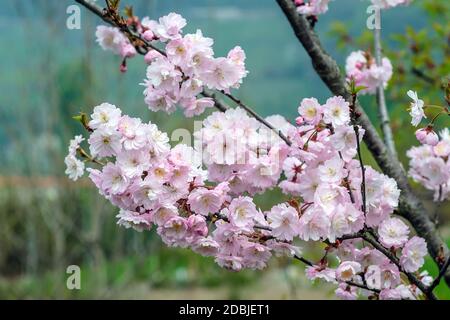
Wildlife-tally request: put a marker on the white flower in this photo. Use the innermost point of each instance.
(75, 167)
(336, 111)
(105, 114)
(416, 108)
(393, 232)
(110, 38)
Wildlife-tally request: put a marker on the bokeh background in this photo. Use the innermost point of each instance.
(50, 73)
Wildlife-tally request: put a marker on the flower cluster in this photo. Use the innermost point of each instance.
(238, 149)
(201, 197)
(312, 7)
(362, 67)
(111, 39)
(154, 184)
(177, 75)
(74, 166)
(430, 164)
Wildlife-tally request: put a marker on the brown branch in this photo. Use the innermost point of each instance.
(411, 277)
(326, 67)
(440, 275)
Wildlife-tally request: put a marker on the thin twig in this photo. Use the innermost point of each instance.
(412, 278)
(440, 275)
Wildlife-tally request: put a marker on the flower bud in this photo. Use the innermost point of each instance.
(427, 136)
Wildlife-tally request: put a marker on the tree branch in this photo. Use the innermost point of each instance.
(326, 67)
(381, 101)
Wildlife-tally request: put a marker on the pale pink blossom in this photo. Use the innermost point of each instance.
(284, 221)
(347, 270)
(413, 254)
(393, 232)
(336, 111)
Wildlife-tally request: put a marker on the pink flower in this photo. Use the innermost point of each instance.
(174, 231)
(284, 221)
(427, 136)
(393, 233)
(242, 212)
(133, 133)
(135, 220)
(336, 111)
(169, 27)
(317, 272)
(390, 294)
(310, 110)
(206, 247)
(178, 51)
(363, 69)
(162, 73)
(314, 225)
(133, 163)
(204, 201)
(346, 292)
(413, 253)
(197, 228)
(386, 4)
(127, 50)
(164, 214)
(313, 7)
(104, 142)
(222, 75)
(332, 171)
(256, 255)
(347, 270)
(151, 55)
(345, 220)
(194, 107)
(114, 180)
(110, 38)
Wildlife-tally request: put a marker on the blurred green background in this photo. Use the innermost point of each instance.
(50, 73)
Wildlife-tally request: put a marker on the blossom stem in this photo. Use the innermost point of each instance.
(435, 118)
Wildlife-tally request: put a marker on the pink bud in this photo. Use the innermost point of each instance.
(427, 136)
(127, 50)
(148, 35)
(299, 2)
(299, 121)
(151, 55)
(123, 67)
